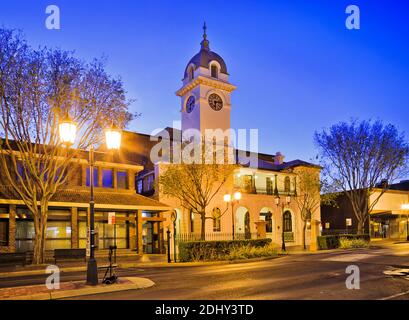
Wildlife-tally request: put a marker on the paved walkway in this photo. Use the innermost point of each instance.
(73, 266)
(72, 289)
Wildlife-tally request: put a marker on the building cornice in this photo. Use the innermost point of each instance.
(221, 85)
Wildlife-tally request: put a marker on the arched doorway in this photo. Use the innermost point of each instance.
(242, 224)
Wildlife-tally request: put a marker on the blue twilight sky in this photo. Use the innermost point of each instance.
(297, 67)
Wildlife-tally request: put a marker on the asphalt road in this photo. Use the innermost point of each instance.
(301, 276)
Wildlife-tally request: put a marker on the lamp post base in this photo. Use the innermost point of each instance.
(92, 272)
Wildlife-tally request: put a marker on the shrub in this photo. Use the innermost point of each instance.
(345, 243)
(215, 250)
(333, 241)
(248, 252)
(328, 242)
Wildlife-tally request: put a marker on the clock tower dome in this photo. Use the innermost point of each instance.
(206, 91)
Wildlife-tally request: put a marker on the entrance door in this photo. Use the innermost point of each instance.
(151, 237)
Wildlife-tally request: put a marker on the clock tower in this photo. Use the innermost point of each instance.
(206, 91)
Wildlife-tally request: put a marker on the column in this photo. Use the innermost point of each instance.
(115, 178)
(139, 232)
(131, 180)
(132, 231)
(99, 177)
(315, 225)
(74, 228)
(12, 228)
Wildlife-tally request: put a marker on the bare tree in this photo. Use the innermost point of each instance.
(37, 89)
(357, 156)
(196, 184)
(308, 195)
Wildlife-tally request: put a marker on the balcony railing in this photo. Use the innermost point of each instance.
(267, 191)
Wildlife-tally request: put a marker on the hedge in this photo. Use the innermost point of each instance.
(332, 241)
(214, 250)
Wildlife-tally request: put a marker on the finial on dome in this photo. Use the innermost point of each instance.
(205, 42)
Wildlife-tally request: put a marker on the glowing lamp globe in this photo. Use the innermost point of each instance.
(227, 198)
(67, 130)
(237, 196)
(113, 138)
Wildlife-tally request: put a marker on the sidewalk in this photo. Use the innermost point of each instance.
(72, 289)
(126, 261)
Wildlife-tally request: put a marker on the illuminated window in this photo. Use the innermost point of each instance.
(107, 178)
(95, 177)
(288, 224)
(192, 222)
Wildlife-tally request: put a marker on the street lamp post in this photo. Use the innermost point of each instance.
(232, 201)
(405, 207)
(174, 218)
(67, 131)
(278, 201)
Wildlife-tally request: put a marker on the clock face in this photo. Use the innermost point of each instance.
(215, 102)
(190, 104)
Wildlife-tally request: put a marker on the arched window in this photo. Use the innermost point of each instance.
(287, 184)
(217, 220)
(191, 73)
(287, 222)
(214, 71)
(192, 222)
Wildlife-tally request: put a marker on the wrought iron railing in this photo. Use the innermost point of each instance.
(289, 236)
(329, 232)
(214, 236)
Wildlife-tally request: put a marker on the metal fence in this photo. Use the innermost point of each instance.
(214, 236)
(330, 232)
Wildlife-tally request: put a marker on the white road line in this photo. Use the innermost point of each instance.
(395, 296)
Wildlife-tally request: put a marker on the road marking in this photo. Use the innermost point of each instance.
(349, 257)
(395, 296)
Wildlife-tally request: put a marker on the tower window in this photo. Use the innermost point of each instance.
(191, 73)
(214, 71)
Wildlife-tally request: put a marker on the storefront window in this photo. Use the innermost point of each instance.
(58, 230)
(106, 234)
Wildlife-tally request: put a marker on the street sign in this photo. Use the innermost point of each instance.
(111, 218)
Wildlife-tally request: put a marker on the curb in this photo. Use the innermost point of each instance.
(137, 284)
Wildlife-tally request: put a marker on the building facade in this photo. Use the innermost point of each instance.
(138, 224)
(205, 98)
